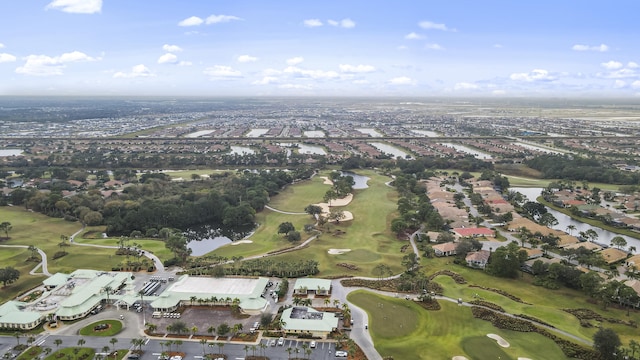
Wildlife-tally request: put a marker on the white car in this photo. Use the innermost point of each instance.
(312, 345)
(341, 353)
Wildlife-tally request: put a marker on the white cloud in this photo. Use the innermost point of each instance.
(216, 19)
(295, 86)
(402, 80)
(266, 80)
(136, 71)
(581, 47)
(1, 45)
(413, 36)
(171, 48)
(313, 74)
(295, 60)
(619, 84)
(77, 6)
(43, 65)
(465, 86)
(612, 65)
(429, 25)
(620, 74)
(222, 72)
(344, 23)
(636, 84)
(353, 69)
(191, 21)
(312, 22)
(271, 72)
(185, 63)
(247, 58)
(168, 58)
(4, 57)
(534, 75)
(498, 92)
(632, 65)
(360, 82)
(433, 46)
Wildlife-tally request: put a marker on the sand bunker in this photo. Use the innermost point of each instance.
(521, 358)
(337, 251)
(502, 342)
(241, 242)
(459, 358)
(326, 180)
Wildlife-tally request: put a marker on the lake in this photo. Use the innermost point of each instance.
(388, 149)
(205, 246)
(604, 236)
(468, 150)
(241, 150)
(359, 180)
(10, 152)
(305, 148)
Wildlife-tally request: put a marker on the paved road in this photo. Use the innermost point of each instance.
(42, 264)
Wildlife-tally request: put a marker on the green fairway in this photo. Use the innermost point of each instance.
(443, 334)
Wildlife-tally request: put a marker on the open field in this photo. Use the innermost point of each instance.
(543, 304)
(404, 329)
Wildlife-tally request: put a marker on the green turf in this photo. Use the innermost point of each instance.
(483, 348)
(442, 334)
(115, 327)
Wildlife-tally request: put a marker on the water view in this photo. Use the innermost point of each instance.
(468, 150)
(257, 132)
(314, 134)
(604, 236)
(388, 149)
(205, 246)
(241, 150)
(199, 133)
(359, 180)
(426, 133)
(10, 152)
(305, 148)
(369, 131)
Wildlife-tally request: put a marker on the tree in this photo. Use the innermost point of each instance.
(9, 275)
(570, 228)
(81, 342)
(203, 342)
(294, 236)
(223, 329)
(606, 342)
(57, 343)
(5, 226)
(410, 261)
(619, 242)
(285, 228)
(506, 261)
(313, 210)
(113, 343)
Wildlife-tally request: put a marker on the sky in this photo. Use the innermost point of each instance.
(492, 48)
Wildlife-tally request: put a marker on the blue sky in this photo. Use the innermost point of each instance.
(327, 48)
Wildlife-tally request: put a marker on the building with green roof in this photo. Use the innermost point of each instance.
(14, 315)
(306, 320)
(245, 292)
(318, 286)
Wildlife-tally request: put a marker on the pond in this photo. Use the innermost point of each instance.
(204, 239)
(241, 150)
(199, 133)
(604, 236)
(257, 132)
(369, 131)
(305, 148)
(10, 152)
(388, 149)
(359, 180)
(314, 133)
(426, 133)
(468, 150)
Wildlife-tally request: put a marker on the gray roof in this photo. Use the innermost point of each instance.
(311, 320)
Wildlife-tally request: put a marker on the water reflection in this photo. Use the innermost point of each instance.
(564, 221)
(204, 239)
(359, 180)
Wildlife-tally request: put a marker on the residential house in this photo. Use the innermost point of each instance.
(478, 259)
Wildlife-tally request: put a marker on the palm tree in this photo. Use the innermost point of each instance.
(304, 347)
(152, 328)
(105, 349)
(203, 342)
(17, 335)
(263, 346)
(57, 343)
(289, 351)
(570, 228)
(47, 351)
(169, 343)
(211, 329)
(327, 301)
(178, 344)
(220, 346)
(336, 302)
(107, 290)
(194, 330)
(161, 346)
(113, 342)
(30, 340)
(81, 342)
(246, 351)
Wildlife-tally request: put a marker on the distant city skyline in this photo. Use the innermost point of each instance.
(319, 48)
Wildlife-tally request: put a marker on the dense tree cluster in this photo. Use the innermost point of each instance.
(580, 169)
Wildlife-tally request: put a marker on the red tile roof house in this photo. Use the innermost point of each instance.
(474, 232)
(478, 259)
(445, 249)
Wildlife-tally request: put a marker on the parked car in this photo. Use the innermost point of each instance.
(281, 341)
(273, 342)
(341, 353)
(312, 345)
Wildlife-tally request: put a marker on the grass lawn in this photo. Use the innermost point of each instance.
(367, 235)
(548, 304)
(115, 327)
(442, 334)
(72, 353)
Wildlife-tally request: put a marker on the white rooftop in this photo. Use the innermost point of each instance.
(207, 285)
